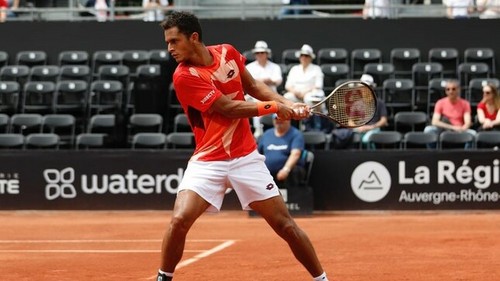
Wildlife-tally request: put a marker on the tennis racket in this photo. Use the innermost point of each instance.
(352, 104)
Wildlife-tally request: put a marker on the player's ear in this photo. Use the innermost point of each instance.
(195, 36)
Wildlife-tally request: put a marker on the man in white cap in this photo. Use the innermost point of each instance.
(263, 69)
(379, 120)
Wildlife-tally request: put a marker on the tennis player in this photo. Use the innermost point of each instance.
(210, 82)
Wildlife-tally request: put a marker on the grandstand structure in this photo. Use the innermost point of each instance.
(125, 77)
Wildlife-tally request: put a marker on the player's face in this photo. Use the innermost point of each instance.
(179, 45)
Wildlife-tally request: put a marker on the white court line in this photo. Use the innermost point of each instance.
(90, 251)
(100, 241)
(201, 255)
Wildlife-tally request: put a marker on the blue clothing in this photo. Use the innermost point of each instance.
(381, 111)
(278, 149)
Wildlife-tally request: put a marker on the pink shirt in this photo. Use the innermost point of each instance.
(453, 111)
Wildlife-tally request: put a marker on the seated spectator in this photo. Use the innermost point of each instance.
(286, 11)
(3, 10)
(154, 9)
(487, 109)
(488, 9)
(282, 146)
(376, 9)
(451, 113)
(304, 82)
(263, 69)
(456, 9)
(380, 118)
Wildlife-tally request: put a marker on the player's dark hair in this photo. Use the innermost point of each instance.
(186, 22)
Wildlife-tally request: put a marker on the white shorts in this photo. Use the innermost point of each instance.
(247, 175)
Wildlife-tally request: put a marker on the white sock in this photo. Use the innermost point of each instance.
(168, 274)
(322, 277)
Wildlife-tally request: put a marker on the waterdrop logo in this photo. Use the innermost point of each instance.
(371, 181)
(59, 183)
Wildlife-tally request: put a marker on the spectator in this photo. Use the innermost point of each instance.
(451, 113)
(379, 120)
(488, 9)
(456, 9)
(283, 145)
(3, 10)
(154, 9)
(263, 69)
(304, 82)
(487, 109)
(376, 9)
(295, 11)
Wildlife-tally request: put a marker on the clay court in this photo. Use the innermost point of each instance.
(124, 245)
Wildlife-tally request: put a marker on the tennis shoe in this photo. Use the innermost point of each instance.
(163, 277)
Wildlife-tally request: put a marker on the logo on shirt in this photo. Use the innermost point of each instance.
(208, 96)
(231, 73)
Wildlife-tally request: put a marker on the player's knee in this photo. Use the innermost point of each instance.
(180, 224)
(289, 230)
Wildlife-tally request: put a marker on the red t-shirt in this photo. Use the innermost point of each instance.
(3, 4)
(217, 137)
(489, 115)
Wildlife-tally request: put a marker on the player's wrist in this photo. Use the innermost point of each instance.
(266, 107)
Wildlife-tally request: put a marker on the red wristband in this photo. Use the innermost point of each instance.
(266, 107)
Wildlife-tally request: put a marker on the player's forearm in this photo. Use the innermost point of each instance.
(262, 92)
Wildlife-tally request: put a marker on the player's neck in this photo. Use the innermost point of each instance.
(202, 57)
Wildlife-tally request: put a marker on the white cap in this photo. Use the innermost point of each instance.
(307, 50)
(261, 46)
(368, 79)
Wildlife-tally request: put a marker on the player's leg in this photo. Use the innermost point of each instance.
(188, 207)
(274, 211)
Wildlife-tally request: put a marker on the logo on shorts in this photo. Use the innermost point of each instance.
(270, 186)
(371, 181)
(59, 183)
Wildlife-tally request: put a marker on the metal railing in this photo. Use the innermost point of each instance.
(236, 10)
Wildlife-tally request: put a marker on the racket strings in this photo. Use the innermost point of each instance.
(352, 105)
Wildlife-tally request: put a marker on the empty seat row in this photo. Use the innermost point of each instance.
(130, 58)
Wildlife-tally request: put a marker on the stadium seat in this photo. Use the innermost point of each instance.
(181, 123)
(180, 140)
(4, 123)
(149, 140)
(104, 57)
(4, 58)
(17, 73)
(435, 91)
(144, 123)
(11, 141)
(38, 97)
(398, 94)
(422, 73)
(455, 140)
(44, 73)
(448, 58)
(88, 141)
(469, 70)
(134, 58)
(487, 140)
(9, 97)
(332, 73)
(410, 121)
(31, 58)
(475, 90)
(361, 57)
(42, 141)
(64, 125)
(486, 55)
(333, 55)
(316, 140)
(290, 56)
(75, 72)
(385, 140)
(380, 72)
(25, 123)
(419, 140)
(77, 57)
(403, 60)
(105, 97)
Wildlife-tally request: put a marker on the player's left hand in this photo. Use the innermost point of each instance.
(300, 111)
